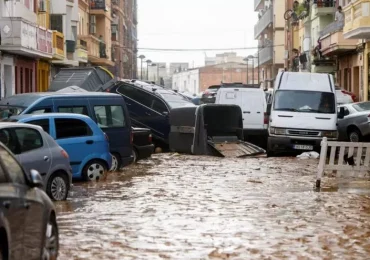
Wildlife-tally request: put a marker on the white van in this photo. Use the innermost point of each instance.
(252, 102)
(302, 112)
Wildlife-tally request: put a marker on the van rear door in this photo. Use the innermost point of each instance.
(253, 109)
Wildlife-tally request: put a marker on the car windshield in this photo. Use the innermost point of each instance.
(364, 106)
(305, 101)
(8, 111)
(175, 100)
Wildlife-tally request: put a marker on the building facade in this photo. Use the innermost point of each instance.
(39, 37)
(270, 33)
(198, 80)
(223, 58)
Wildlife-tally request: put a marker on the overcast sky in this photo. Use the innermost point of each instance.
(194, 24)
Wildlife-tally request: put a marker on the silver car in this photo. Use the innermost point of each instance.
(356, 122)
(35, 149)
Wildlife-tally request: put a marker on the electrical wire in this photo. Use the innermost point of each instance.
(215, 49)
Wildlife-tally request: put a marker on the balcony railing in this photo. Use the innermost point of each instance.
(258, 4)
(357, 20)
(58, 45)
(323, 7)
(266, 20)
(332, 27)
(266, 54)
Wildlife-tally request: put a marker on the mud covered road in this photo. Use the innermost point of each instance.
(187, 207)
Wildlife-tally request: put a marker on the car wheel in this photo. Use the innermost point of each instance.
(135, 155)
(51, 243)
(94, 170)
(58, 187)
(116, 163)
(354, 135)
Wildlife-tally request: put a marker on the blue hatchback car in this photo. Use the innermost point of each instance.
(86, 144)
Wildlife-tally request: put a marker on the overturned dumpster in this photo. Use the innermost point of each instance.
(210, 129)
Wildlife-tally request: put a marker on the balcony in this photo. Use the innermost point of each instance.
(23, 38)
(82, 54)
(116, 7)
(58, 46)
(266, 55)
(100, 7)
(357, 20)
(96, 51)
(258, 5)
(323, 7)
(263, 23)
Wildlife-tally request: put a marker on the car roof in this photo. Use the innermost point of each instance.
(15, 124)
(51, 115)
(26, 99)
(306, 81)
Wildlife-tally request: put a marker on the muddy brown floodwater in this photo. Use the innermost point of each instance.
(187, 207)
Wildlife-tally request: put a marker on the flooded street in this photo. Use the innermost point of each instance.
(187, 207)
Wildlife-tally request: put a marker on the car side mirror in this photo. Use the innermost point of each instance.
(268, 109)
(341, 113)
(36, 179)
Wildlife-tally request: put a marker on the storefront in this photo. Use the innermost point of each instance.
(43, 76)
(25, 75)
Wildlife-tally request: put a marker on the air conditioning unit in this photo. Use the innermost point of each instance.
(92, 29)
(42, 6)
(92, 19)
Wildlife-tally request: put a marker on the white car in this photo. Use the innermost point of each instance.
(342, 98)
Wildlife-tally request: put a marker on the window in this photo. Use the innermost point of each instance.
(363, 106)
(82, 110)
(110, 116)
(56, 22)
(70, 128)
(6, 138)
(135, 94)
(44, 123)
(28, 139)
(159, 106)
(41, 110)
(14, 169)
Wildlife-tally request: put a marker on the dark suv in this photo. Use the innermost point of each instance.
(149, 106)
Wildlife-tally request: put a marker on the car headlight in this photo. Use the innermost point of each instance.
(277, 131)
(330, 134)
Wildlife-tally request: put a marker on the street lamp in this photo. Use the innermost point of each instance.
(141, 57)
(148, 62)
(252, 58)
(247, 61)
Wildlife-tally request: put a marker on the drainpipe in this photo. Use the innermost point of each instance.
(366, 72)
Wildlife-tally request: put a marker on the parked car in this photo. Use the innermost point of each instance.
(303, 111)
(209, 95)
(149, 106)
(355, 125)
(86, 144)
(35, 149)
(252, 102)
(28, 226)
(343, 96)
(108, 110)
(143, 146)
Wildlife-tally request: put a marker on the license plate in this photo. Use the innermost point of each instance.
(302, 147)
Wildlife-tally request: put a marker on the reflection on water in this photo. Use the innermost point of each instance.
(187, 207)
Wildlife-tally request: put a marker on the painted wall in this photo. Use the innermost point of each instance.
(186, 81)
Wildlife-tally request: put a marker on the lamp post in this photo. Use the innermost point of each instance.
(247, 61)
(252, 58)
(141, 57)
(148, 62)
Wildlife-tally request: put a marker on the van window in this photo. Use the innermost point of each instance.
(305, 101)
(136, 95)
(74, 109)
(70, 128)
(41, 110)
(109, 116)
(44, 123)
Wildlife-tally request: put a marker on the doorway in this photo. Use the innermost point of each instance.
(356, 81)
(8, 81)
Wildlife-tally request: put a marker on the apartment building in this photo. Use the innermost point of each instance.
(223, 58)
(269, 31)
(25, 41)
